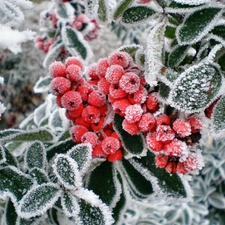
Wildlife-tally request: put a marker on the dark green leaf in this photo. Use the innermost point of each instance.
(38, 200)
(221, 61)
(42, 85)
(7, 134)
(70, 204)
(53, 216)
(9, 158)
(170, 32)
(39, 175)
(103, 174)
(133, 144)
(195, 88)
(176, 5)
(102, 10)
(177, 55)
(164, 90)
(35, 155)
(219, 31)
(197, 25)
(10, 213)
(121, 7)
(137, 14)
(15, 182)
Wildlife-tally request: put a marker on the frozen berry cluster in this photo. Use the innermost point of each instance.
(86, 106)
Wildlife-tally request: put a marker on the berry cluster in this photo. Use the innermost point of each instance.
(116, 85)
(86, 107)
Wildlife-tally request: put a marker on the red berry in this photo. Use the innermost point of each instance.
(71, 100)
(139, 97)
(153, 143)
(97, 152)
(73, 72)
(161, 160)
(99, 125)
(147, 122)
(90, 137)
(164, 133)
(84, 90)
(191, 163)
(103, 110)
(58, 101)
(76, 112)
(74, 61)
(91, 73)
(57, 69)
(131, 128)
(133, 113)
(103, 86)
(119, 106)
(82, 122)
(102, 66)
(110, 145)
(91, 114)
(181, 168)
(116, 92)
(113, 157)
(96, 98)
(171, 167)
(209, 110)
(120, 58)
(114, 73)
(182, 128)
(76, 132)
(196, 124)
(162, 119)
(152, 102)
(60, 85)
(175, 148)
(130, 82)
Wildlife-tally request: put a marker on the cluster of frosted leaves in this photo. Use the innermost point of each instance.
(33, 192)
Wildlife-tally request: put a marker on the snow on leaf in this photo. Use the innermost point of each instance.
(91, 7)
(41, 113)
(197, 24)
(70, 204)
(66, 170)
(121, 7)
(137, 14)
(39, 175)
(75, 43)
(196, 88)
(42, 85)
(2, 155)
(35, 155)
(14, 183)
(92, 210)
(38, 200)
(103, 11)
(82, 154)
(192, 2)
(153, 53)
(65, 11)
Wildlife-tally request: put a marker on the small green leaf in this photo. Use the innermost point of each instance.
(38, 200)
(70, 204)
(101, 182)
(196, 88)
(136, 14)
(66, 170)
(133, 144)
(39, 175)
(103, 10)
(121, 7)
(42, 85)
(82, 154)
(197, 25)
(177, 55)
(164, 90)
(14, 182)
(35, 155)
(10, 213)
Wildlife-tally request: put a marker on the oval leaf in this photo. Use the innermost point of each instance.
(103, 10)
(42, 85)
(121, 7)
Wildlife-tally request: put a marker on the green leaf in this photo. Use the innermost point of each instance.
(221, 61)
(170, 32)
(103, 10)
(35, 155)
(196, 88)
(133, 144)
(42, 85)
(38, 200)
(14, 183)
(101, 182)
(136, 14)
(82, 154)
(121, 7)
(70, 204)
(139, 186)
(62, 11)
(218, 118)
(66, 170)
(53, 216)
(7, 134)
(177, 55)
(130, 49)
(197, 25)
(171, 184)
(164, 90)
(10, 213)
(8, 157)
(39, 175)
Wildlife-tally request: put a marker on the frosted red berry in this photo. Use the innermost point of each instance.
(102, 66)
(152, 103)
(58, 101)
(171, 167)
(175, 148)
(81, 121)
(103, 86)
(120, 58)
(181, 168)
(99, 125)
(76, 112)
(60, 85)
(96, 98)
(182, 127)
(110, 145)
(90, 137)
(133, 113)
(147, 122)
(130, 82)
(76, 132)
(161, 160)
(74, 61)
(71, 100)
(116, 92)
(139, 97)
(84, 90)
(114, 73)
(73, 72)
(116, 156)
(196, 124)
(119, 106)
(162, 119)
(164, 133)
(131, 128)
(57, 69)
(97, 152)
(91, 114)
(153, 143)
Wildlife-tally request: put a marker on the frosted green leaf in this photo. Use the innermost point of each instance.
(10, 213)
(42, 85)
(103, 11)
(39, 175)
(133, 144)
(62, 10)
(35, 155)
(196, 88)
(164, 90)
(42, 113)
(218, 118)
(38, 200)
(196, 25)
(82, 154)
(121, 7)
(14, 183)
(6, 134)
(217, 200)
(130, 49)
(137, 14)
(2, 155)
(177, 55)
(9, 159)
(191, 2)
(70, 205)
(66, 170)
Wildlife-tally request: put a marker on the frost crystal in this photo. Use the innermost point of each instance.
(191, 2)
